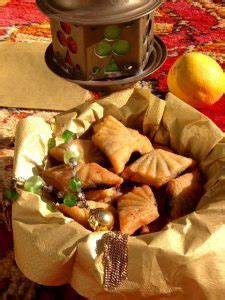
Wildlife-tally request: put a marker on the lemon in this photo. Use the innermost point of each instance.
(196, 79)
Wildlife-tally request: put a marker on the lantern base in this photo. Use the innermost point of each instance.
(155, 61)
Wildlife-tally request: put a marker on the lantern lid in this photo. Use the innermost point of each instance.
(97, 12)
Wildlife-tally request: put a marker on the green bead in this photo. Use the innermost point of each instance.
(11, 195)
(112, 67)
(75, 184)
(96, 70)
(121, 47)
(68, 135)
(112, 32)
(103, 49)
(34, 184)
(51, 143)
(74, 153)
(70, 200)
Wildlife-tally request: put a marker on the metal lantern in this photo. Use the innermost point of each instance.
(103, 43)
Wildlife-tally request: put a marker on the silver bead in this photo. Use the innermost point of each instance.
(101, 219)
(73, 162)
(60, 195)
(74, 172)
(48, 188)
(74, 177)
(82, 204)
(18, 181)
(81, 196)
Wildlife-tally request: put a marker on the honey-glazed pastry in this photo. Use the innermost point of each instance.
(136, 209)
(157, 167)
(118, 142)
(104, 195)
(91, 176)
(76, 213)
(184, 193)
(144, 143)
(162, 204)
(87, 150)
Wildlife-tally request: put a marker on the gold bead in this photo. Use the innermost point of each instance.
(101, 219)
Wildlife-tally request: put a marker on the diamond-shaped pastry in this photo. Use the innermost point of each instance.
(157, 167)
(91, 176)
(118, 142)
(136, 209)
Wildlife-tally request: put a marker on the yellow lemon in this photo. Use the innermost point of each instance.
(196, 79)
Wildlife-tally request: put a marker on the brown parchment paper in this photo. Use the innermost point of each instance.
(183, 261)
(26, 81)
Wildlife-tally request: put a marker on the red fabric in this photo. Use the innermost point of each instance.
(20, 12)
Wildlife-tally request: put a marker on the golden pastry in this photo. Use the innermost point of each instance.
(118, 142)
(157, 167)
(105, 195)
(136, 209)
(81, 215)
(185, 193)
(91, 176)
(87, 150)
(76, 213)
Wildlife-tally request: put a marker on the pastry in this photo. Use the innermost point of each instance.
(76, 213)
(157, 167)
(81, 215)
(118, 142)
(141, 209)
(136, 209)
(184, 194)
(87, 150)
(104, 195)
(91, 176)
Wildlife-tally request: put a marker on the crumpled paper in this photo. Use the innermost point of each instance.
(183, 261)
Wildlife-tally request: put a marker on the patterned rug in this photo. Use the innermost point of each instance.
(184, 26)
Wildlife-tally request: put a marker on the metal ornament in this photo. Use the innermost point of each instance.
(82, 204)
(115, 259)
(48, 188)
(73, 163)
(60, 195)
(156, 59)
(18, 182)
(101, 219)
(97, 12)
(98, 43)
